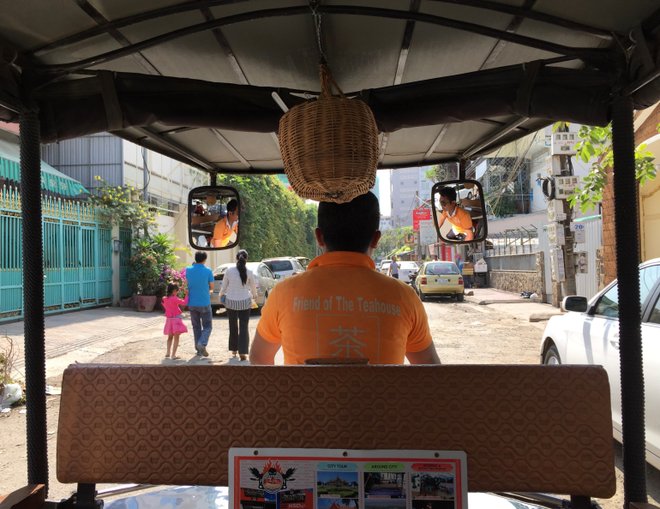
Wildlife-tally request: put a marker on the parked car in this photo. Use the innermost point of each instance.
(265, 280)
(589, 334)
(405, 269)
(439, 278)
(304, 261)
(284, 266)
(384, 266)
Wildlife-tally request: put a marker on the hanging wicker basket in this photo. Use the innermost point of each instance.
(329, 146)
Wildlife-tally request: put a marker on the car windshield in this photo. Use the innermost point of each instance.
(439, 269)
(408, 266)
(279, 265)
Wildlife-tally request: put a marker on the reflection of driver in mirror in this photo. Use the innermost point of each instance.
(459, 218)
(226, 228)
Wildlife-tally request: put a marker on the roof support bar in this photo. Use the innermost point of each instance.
(207, 4)
(598, 56)
(401, 66)
(493, 137)
(193, 158)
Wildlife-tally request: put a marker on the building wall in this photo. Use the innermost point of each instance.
(517, 281)
(86, 158)
(645, 130)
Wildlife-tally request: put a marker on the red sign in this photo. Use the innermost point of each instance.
(420, 214)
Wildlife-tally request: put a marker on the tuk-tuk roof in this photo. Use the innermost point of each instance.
(205, 82)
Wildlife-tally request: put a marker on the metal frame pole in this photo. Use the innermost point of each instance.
(33, 291)
(626, 206)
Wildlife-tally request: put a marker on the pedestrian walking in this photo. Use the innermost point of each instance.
(239, 292)
(200, 285)
(174, 325)
(394, 268)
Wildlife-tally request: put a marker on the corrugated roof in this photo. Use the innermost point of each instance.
(52, 181)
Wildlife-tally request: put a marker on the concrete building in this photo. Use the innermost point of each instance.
(158, 178)
(408, 187)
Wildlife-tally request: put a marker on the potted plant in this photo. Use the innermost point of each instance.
(151, 257)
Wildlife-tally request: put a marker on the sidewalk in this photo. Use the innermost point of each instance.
(83, 336)
(512, 303)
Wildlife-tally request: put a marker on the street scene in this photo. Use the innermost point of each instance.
(191, 192)
(490, 327)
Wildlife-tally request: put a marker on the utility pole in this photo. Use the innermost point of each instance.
(562, 183)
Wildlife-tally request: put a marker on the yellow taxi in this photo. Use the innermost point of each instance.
(439, 278)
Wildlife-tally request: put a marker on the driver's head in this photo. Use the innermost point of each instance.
(232, 208)
(448, 198)
(349, 226)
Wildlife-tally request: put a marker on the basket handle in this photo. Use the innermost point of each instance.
(328, 82)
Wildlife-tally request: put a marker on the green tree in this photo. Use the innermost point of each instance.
(392, 240)
(441, 172)
(274, 221)
(123, 206)
(596, 145)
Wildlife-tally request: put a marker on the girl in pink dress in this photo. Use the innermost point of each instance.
(174, 325)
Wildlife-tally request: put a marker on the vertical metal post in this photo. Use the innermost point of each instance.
(626, 206)
(33, 291)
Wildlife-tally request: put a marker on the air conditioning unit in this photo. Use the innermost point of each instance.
(563, 144)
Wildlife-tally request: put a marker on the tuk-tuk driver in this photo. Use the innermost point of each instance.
(341, 307)
(458, 217)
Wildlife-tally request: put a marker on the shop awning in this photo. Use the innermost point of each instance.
(52, 181)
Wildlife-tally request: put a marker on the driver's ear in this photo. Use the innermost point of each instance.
(319, 237)
(375, 239)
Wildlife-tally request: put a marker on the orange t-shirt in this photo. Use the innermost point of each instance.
(222, 233)
(342, 307)
(461, 221)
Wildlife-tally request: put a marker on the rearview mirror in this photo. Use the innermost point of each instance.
(574, 303)
(213, 213)
(459, 211)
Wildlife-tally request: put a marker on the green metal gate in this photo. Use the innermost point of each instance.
(77, 255)
(125, 237)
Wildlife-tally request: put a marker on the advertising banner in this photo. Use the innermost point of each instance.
(420, 214)
(346, 479)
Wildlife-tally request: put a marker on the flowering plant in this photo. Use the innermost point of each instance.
(178, 277)
(150, 257)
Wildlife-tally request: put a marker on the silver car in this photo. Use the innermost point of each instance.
(265, 280)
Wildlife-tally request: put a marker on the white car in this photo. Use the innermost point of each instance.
(284, 266)
(384, 266)
(265, 280)
(589, 334)
(405, 269)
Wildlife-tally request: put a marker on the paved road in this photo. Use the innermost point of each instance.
(465, 333)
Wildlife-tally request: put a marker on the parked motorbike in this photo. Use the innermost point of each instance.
(411, 278)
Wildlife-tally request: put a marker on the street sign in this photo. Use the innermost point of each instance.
(420, 214)
(579, 232)
(427, 233)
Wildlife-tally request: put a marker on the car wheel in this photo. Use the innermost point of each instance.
(422, 297)
(551, 357)
(460, 297)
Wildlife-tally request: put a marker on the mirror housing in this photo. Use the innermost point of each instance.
(213, 214)
(459, 211)
(574, 303)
